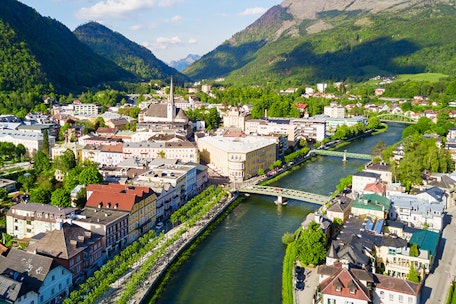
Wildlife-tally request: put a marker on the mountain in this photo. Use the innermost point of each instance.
(336, 40)
(50, 56)
(125, 53)
(185, 62)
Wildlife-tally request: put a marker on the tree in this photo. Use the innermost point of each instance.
(40, 195)
(89, 176)
(41, 162)
(412, 275)
(260, 171)
(344, 182)
(414, 250)
(378, 148)
(27, 180)
(287, 238)
(61, 197)
(66, 161)
(3, 194)
(20, 151)
(311, 245)
(162, 154)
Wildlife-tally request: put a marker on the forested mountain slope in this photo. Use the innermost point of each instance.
(125, 53)
(338, 40)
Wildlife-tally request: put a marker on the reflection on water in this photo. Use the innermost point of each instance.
(241, 261)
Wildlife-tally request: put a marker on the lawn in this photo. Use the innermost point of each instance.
(431, 77)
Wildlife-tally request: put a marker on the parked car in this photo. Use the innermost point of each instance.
(159, 226)
(300, 285)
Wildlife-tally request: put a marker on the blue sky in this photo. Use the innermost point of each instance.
(171, 29)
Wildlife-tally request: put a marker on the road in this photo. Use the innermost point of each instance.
(436, 286)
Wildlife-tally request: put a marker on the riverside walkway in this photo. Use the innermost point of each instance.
(286, 193)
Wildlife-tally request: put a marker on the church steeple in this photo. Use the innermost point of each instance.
(171, 113)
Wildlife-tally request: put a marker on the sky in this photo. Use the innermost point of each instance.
(171, 29)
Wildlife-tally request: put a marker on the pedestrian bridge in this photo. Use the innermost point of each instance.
(344, 154)
(286, 193)
(389, 117)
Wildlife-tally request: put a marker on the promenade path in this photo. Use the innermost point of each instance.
(113, 295)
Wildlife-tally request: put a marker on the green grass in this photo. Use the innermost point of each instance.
(431, 77)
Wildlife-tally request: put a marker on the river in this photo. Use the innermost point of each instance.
(241, 261)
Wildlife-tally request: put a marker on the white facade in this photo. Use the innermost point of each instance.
(417, 212)
(85, 109)
(387, 296)
(25, 220)
(32, 141)
(310, 128)
(334, 111)
(361, 179)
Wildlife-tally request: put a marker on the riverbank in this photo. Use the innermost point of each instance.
(156, 273)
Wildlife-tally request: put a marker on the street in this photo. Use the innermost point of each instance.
(436, 286)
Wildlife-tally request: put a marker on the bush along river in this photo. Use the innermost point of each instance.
(241, 260)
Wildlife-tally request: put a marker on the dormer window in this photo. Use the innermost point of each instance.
(338, 288)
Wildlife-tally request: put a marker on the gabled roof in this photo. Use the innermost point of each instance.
(344, 284)
(64, 243)
(28, 268)
(397, 285)
(116, 196)
(377, 188)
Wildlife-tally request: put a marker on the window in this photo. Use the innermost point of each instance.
(401, 299)
(53, 277)
(410, 300)
(382, 294)
(391, 297)
(337, 288)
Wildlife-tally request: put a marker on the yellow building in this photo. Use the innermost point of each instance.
(139, 202)
(238, 158)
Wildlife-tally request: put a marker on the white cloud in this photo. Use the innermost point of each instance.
(253, 11)
(192, 41)
(175, 20)
(120, 8)
(163, 43)
(136, 27)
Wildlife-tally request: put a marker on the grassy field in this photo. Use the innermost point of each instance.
(432, 77)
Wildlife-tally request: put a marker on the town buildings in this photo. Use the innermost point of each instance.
(33, 278)
(139, 202)
(239, 157)
(24, 220)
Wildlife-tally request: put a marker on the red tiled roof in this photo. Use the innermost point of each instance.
(347, 283)
(112, 196)
(112, 148)
(376, 188)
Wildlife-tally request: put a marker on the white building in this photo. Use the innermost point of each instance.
(310, 128)
(417, 212)
(25, 220)
(334, 111)
(32, 141)
(238, 158)
(33, 279)
(361, 179)
(86, 109)
(183, 150)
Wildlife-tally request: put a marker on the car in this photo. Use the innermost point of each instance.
(159, 225)
(300, 285)
(300, 276)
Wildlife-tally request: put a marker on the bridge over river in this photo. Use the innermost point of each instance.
(344, 154)
(286, 193)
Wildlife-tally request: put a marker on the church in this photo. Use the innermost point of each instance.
(165, 117)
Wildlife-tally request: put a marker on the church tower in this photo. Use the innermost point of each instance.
(171, 110)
